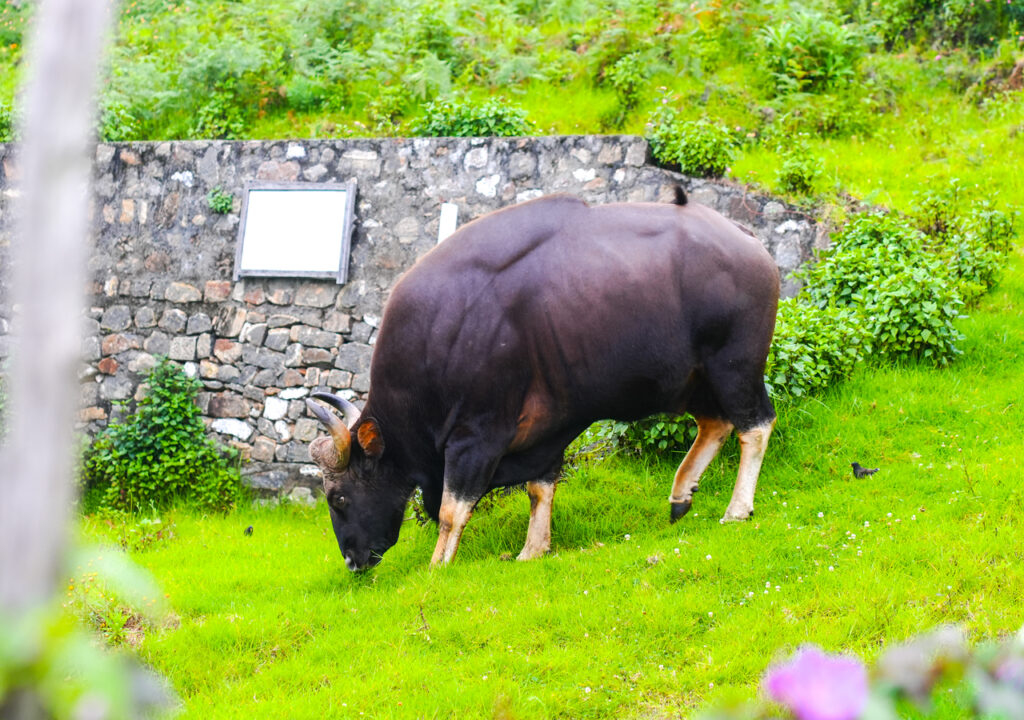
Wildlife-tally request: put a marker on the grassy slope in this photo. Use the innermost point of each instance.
(630, 617)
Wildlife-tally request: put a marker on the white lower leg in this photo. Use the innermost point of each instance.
(538, 534)
(452, 519)
(753, 443)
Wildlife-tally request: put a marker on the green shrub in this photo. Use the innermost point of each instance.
(879, 266)
(220, 201)
(7, 123)
(697, 147)
(160, 454)
(658, 433)
(799, 168)
(463, 118)
(813, 347)
(809, 53)
(118, 124)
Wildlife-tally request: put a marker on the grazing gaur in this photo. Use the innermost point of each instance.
(510, 338)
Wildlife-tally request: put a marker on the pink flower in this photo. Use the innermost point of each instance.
(816, 686)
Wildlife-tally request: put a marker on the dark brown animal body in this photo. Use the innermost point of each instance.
(506, 341)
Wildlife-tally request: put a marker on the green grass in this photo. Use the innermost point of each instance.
(629, 617)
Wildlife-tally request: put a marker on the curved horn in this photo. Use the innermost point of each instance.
(338, 430)
(350, 411)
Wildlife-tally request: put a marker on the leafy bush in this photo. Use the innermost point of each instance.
(799, 169)
(220, 201)
(464, 118)
(160, 454)
(118, 124)
(813, 348)
(7, 123)
(878, 267)
(945, 22)
(658, 433)
(697, 147)
(809, 53)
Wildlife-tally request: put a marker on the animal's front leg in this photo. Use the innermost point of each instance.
(753, 443)
(538, 535)
(452, 518)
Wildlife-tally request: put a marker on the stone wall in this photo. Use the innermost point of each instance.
(163, 262)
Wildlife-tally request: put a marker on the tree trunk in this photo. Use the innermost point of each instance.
(48, 281)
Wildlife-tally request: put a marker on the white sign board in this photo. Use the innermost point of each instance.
(295, 230)
(448, 221)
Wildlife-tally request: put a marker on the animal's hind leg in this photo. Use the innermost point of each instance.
(538, 535)
(711, 435)
(752, 446)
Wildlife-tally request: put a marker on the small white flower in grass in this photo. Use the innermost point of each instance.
(778, 588)
(708, 557)
(750, 594)
(676, 551)
(821, 514)
(768, 584)
(711, 685)
(830, 568)
(586, 592)
(485, 677)
(710, 614)
(913, 517)
(586, 690)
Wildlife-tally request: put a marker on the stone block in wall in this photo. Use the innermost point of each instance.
(198, 323)
(265, 378)
(291, 378)
(173, 320)
(182, 348)
(280, 320)
(315, 357)
(232, 426)
(253, 333)
(227, 351)
(306, 429)
(279, 293)
(204, 345)
(228, 373)
(275, 408)
(277, 339)
(361, 382)
(215, 291)
(118, 343)
(179, 292)
(312, 337)
(230, 321)
(354, 357)
(316, 295)
(263, 449)
(145, 317)
(339, 379)
(116, 387)
(228, 405)
(116, 318)
(272, 480)
(157, 343)
(337, 322)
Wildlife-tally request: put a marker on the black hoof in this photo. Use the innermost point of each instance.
(680, 508)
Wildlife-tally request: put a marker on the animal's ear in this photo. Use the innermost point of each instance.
(370, 439)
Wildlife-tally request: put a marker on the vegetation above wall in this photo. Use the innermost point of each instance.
(908, 90)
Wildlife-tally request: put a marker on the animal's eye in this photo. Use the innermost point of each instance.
(341, 501)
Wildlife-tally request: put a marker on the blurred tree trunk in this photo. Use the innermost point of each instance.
(47, 276)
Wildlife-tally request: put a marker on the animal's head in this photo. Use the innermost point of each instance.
(366, 506)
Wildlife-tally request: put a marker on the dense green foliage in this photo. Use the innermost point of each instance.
(694, 147)
(160, 454)
(460, 118)
(209, 68)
